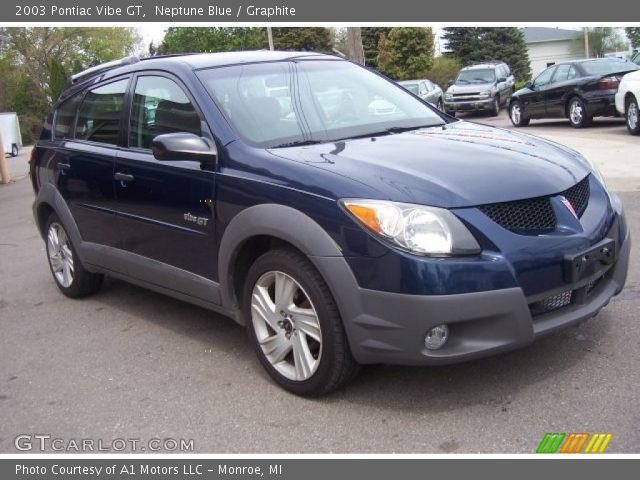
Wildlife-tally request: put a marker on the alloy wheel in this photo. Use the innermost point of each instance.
(516, 113)
(576, 112)
(632, 116)
(286, 325)
(60, 255)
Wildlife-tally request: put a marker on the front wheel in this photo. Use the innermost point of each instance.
(294, 325)
(14, 150)
(578, 115)
(516, 114)
(633, 125)
(495, 108)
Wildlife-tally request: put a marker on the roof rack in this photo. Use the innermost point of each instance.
(103, 67)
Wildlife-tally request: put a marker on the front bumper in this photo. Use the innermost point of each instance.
(390, 328)
(468, 106)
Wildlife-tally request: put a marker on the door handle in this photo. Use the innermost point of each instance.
(123, 178)
(63, 167)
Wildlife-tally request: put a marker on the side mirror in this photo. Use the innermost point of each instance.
(502, 79)
(449, 83)
(529, 85)
(183, 146)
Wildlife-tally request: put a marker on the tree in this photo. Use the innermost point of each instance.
(406, 53)
(36, 61)
(74, 48)
(371, 41)
(633, 34)
(205, 39)
(302, 38)
(444, 70)
(477, 44)
(604, 40)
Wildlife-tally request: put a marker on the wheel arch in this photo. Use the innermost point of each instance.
(258, 229)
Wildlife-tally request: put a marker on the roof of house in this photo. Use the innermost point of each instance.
(545, 34)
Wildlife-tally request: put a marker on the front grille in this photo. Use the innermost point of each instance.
(551, 303)
(535, 216)
(532, 216)
(578, 196)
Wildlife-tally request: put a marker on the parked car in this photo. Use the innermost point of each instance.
(481, 87)
(410, 238)
(635, 58)
(10, 133)
(425, 89)
(627, 100)
(578, 90)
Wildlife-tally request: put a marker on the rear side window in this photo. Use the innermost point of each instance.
(99, 117)
(65, 116)
(160, 106)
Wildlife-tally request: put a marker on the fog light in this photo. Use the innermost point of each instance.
(436, 337)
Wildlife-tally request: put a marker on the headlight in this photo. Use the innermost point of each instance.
(485, 94)
(415, 228)
(448, 96)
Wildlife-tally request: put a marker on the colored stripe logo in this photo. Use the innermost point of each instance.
(574, 443)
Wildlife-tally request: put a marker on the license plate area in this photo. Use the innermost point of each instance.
(589, 262)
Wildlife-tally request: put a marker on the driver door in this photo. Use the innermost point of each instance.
(535, 104)
(166, 207)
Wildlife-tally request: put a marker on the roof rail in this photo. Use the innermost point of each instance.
(103, 67)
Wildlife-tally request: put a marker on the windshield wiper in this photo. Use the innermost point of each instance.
(390, 131)
(298, 143)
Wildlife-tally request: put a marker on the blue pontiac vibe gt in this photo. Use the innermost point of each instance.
(340, 218)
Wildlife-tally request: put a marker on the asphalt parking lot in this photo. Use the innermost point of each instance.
(129, 363)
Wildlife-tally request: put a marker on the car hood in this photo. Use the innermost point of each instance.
(470, 88)
(461, 164)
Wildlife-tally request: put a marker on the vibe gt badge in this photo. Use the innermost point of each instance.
(197, 220)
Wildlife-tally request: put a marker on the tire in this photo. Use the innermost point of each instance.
(274, 326)
(14, 150)
(495, 108)
(68, 272)
(632, 116)
(516, 115)
(577, 112)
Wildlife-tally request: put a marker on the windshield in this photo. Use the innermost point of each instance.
(412, 87)
(485, 75)
(602, 67)
(286, 103)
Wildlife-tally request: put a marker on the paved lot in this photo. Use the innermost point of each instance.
(129, 363)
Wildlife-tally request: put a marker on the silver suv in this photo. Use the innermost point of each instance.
(484, 86)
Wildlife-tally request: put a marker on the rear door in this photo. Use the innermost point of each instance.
(166, 206)
(87, 131)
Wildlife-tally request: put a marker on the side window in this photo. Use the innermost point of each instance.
(423, 88)
(65, 116)
(160, 106)
(573, 73)
(99, 117)
(545, 77)
(562, 73)
(429, 85)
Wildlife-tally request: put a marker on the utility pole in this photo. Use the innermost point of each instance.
(586, 42)
(270, 37)
(356, 50)
(4, 169)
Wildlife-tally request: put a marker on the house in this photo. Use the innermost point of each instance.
(548, 46)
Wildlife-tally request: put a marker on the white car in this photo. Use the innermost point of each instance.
(627, 100)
